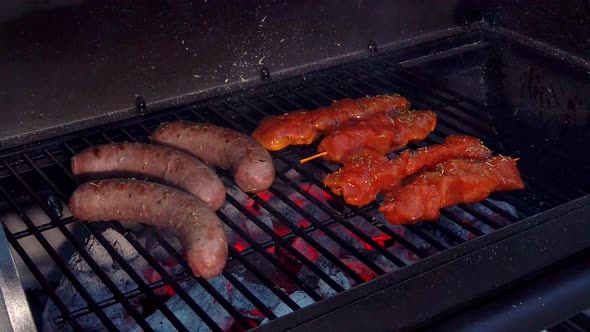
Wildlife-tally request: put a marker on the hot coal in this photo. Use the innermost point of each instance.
(267, 212)
(94, 286)
(213, 308)
(242, 221)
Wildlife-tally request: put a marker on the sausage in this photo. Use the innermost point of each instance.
(159, 163)
(198, 228)
(250, 163)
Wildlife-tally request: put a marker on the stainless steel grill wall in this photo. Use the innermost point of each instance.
(75, 61)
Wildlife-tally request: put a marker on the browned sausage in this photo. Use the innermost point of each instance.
(198, 228)
(162, 164)
(250, 163)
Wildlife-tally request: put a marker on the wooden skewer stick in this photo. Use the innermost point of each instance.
(321, 154)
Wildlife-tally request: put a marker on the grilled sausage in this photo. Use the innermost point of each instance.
(198, 228)
(162, 164)
(250, 163)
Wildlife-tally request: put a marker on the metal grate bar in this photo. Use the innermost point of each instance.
(283, 244)
(438, 244)
(212, 291)
(82, 251)
(40, 277)
(115, 254)
(168, 279)
(430, 139)
(310, 240)
(444, 120)
(59, 261)
(161, 271)
(445, 213)
(313, 179)
(426, 83)
(293, 278)
(328, 210)
(128, 295)
(287, 300)
(466, 115)
(316, 222)
(202, 282)
(345, 245)
(273, 261)
(366, 239)
(281, 241)
(297, 231)
(230, 277)
(44, 227)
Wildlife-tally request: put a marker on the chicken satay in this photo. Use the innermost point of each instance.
(453, 182)
(381, 133)
(370, 173)
(304, 127)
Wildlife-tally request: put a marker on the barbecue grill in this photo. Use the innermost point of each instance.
(513, 74)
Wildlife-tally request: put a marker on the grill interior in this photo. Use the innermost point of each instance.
(35, 183)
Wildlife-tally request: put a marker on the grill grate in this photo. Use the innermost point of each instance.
(30, 175)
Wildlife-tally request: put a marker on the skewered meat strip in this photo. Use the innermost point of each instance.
(371, 173)
(382, 133)
(303, 127)
(453, 182)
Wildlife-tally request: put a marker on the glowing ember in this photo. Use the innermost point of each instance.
(241, 245)
(307, 250)
(253, 206)
(277, 214)
(382, 240)
(361, 269)
(152, 276)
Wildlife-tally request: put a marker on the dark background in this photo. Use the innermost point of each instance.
(77, 63)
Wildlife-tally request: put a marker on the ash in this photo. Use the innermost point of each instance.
(94, 286)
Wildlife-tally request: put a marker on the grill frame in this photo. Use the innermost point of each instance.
(431, 265)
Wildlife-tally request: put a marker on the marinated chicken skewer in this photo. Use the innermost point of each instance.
(369, 173)
(453, 182)
(382, 133)
(304, 127)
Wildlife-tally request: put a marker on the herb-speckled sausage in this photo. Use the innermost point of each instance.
(198, 228)
(250, 163)
(162, 164)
